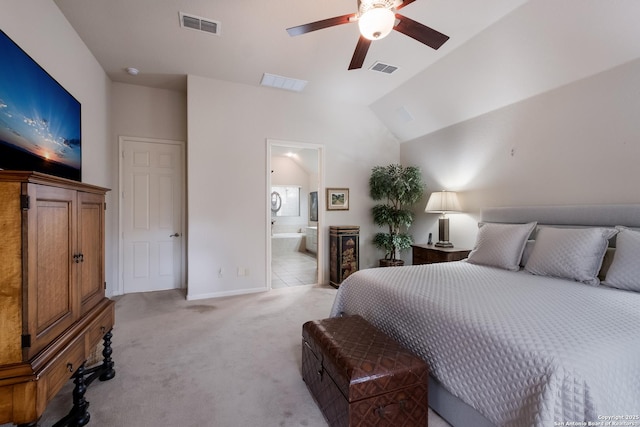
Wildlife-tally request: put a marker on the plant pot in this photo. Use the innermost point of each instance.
(391, 262)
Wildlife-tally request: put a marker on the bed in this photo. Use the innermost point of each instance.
(540, 326)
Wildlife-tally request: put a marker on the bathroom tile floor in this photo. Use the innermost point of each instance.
(293, 269)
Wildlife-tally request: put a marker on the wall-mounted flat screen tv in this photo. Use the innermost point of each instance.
(39, 120)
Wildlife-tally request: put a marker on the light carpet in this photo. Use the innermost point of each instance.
(227, 362)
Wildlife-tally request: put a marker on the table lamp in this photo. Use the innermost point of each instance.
(442, 202)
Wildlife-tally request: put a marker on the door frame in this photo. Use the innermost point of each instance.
(321, 203)
(122, 140)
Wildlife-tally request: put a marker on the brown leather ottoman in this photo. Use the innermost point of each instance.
(359, 376)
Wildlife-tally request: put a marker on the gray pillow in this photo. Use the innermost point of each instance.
(500, 245)
(570, 253)
(624, 272)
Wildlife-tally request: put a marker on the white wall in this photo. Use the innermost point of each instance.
(574, 145)
(148, 112)
(228, 125)
(41, 30)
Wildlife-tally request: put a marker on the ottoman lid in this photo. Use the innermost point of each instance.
(361, 359)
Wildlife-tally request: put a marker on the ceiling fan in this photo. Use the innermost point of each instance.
(376, 19)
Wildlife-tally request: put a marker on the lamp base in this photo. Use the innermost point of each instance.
(444, 245)
(443, 233)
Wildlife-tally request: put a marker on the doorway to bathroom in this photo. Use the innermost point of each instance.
(294, 193)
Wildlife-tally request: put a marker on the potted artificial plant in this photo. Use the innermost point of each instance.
(398, 188)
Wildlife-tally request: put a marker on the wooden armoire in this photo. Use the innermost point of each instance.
(53, 309)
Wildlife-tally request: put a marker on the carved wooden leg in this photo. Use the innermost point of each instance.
(80, 412)
(79, 415)
(107, 364)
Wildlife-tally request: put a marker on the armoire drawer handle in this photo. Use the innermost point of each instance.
(70, 367)
(103, 329)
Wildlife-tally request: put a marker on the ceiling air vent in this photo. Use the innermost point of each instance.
(383, 68)
(201, 24)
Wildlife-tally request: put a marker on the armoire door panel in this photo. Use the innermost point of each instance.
(91, 249)
(51, 245)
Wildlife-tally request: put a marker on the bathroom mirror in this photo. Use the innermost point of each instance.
(285, 200)
(313, 206)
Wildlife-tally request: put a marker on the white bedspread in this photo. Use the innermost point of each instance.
(523, 350)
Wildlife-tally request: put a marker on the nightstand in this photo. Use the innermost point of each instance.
(428, 254)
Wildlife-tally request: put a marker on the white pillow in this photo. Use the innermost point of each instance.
(624, 272)
(500, 245)
(570, 253)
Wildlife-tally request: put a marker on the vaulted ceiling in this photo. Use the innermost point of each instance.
(146, 34)
(499, 51)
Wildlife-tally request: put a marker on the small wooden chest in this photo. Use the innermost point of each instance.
(359, 376)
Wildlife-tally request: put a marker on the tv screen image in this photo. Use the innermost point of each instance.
(39, 120)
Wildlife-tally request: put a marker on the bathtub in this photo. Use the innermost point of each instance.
(283, 243)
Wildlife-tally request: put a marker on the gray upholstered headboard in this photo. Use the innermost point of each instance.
(569, 215)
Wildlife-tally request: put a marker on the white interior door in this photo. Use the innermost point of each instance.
(152, 215)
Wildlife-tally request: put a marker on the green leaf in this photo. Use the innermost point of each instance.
(398, 187)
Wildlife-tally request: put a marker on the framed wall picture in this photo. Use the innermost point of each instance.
(337, 199)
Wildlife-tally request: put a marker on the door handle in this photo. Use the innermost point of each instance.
(174, 235)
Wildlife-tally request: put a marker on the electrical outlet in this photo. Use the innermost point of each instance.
(243, 271)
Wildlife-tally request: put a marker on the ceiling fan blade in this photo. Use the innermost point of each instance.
(404, 3)
(360, 53)
(420, 32)
(319, 25)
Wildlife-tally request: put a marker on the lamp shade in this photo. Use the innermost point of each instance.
(443, 201)
(376, 22)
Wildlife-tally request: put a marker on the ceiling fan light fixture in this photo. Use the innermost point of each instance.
(376, 22)
(376, 19)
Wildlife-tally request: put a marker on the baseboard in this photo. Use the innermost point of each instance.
(191, 297)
